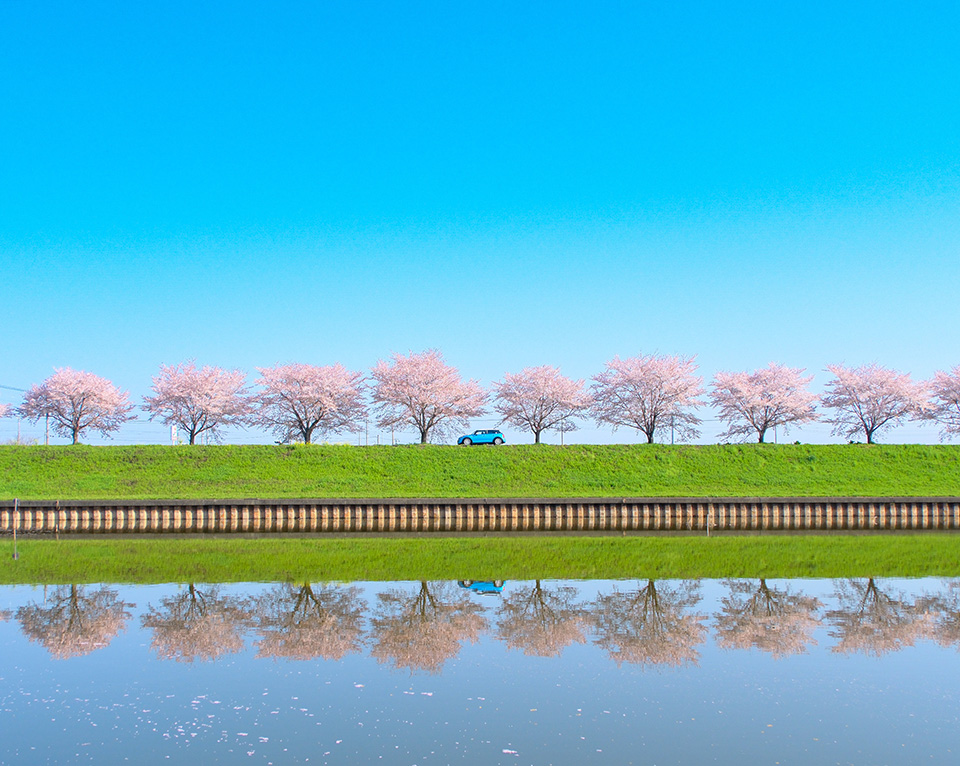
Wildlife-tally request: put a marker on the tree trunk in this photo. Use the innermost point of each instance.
(649, 436)
(75, 432)
(423, 437)
(193, 437)
(761, 435)
(536, 437)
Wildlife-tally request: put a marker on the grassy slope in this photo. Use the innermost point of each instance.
(151, 471)
(311, 559)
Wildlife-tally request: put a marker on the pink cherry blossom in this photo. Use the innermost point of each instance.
(300, 399)
(422, 391)
(76, 401)
(771, 619)
(199, 623)
(199, 400)
(649, 393)
(651, 624)
(755, 402)
(540, 620)
(945, 405)
(423, 630)
(74, 620)
(870, 399)
(873, 620)
(540, 399)
(307, 621)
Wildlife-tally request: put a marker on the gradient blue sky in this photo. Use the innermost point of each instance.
(513, 183)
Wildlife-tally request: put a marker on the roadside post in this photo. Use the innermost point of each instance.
(16, 523)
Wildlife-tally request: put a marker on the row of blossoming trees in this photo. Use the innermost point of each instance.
(421, 626)
(649, 393)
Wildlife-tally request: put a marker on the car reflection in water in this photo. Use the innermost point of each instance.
(483, 587)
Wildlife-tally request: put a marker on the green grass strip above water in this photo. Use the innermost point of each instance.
(220, 559)
(184, 472)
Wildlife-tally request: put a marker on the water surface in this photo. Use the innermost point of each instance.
(539, 672)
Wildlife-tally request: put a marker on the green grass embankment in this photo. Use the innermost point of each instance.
(184, 472)
(221, 559)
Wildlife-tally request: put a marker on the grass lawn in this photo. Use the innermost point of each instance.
(194, 559)
(151, 471)
(184, 472)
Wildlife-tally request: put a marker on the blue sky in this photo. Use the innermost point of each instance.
(557, 183)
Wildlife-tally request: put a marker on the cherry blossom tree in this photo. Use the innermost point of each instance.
(770, 619)
(540, 621)
(74, 620)
(301, 399)
(309, 621)
(649, 392)
(199, 400)
(754, 402)
(196, 624)
(870, 620)
(4, 410)
(651, 625)
(540, 399)
(870, 399)
(77, 401)
(422, 391)
(942, 615)
(422, 631)
(945, 404)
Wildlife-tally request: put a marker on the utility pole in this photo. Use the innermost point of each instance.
(16, 523)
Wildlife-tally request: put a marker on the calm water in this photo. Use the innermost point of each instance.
(563, 672)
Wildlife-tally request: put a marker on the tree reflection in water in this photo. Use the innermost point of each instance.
(942, 613)
(306, 621)
(422, 631)
(196, 624)
(776, 621)
(651, 625)
(72, 621)
(421, 627)
(869, 621)
(541, 621)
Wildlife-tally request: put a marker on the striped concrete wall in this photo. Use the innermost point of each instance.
(483, 515)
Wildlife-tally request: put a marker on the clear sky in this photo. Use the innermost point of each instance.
(513, 183)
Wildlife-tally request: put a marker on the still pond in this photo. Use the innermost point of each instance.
(855, 671)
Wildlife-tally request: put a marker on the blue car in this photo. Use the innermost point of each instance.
(483, 587)
(481, 437)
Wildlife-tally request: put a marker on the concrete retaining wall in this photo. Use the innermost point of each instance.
(483, 515)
